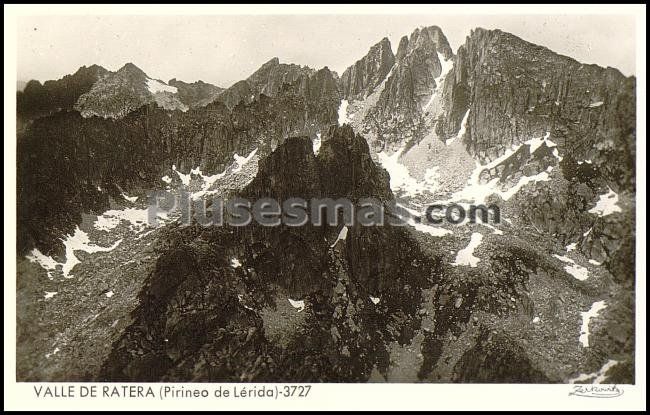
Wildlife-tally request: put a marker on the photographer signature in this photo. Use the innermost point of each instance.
(596, 391)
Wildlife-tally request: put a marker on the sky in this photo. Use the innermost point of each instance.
(224, 49)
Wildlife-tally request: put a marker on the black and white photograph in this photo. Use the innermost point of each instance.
(440, 197)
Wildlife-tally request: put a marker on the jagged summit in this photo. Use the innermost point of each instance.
(360, 79)
(399, 100)
(274, 78)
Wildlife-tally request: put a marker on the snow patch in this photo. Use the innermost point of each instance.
(46, 262)
(579, 272)
(466, 255)
(375, 300)
(242, 161)
(598, 377)
(536, 142)
(109, 294)
(316, 144)
(185, 178)
(55, 351)
(607, 204)
(235, 263)
(298, 305)
(136, 218)
(571, 247)
(155, 86)
(50, 294)
(596, 104)
(78, 241)
(401, 179)
(208, 181)
(343, 234)
(131, 199)
(477, 193)
(447, 65)
(428, 229)
(495, 231)
(343, 112)
(422, 227)
(586, 317)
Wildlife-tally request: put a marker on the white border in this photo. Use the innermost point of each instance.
(329, 396)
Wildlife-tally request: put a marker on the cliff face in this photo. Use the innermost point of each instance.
(515, 90)
(510, 91)
(418, 64)
(360, 79)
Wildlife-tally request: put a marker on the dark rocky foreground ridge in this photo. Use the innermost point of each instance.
(216, 304)
(225, 308)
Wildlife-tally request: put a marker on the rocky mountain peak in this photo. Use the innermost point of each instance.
(360, 79)
(345, 156)
(342, 168)
(402, 47)
(424, 40)
(92, 70)
(124, 91)
(38, 99)
(131, 69)
(406, 95)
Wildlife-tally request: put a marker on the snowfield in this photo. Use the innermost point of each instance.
(155, 87)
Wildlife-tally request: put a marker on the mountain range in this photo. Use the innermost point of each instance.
(544, 296)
